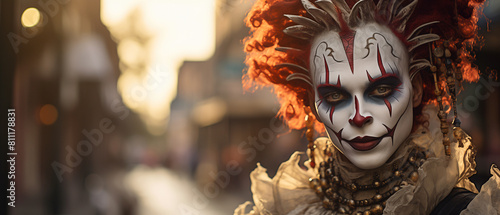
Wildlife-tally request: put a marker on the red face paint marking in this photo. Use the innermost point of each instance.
(384, 75)
(390, 131)
(369, 77)
(338, 85)
(389, 106)
(387, 103)
(348, 42)
(358, 120)
(331, 113)
(327, 71)
(337, 134)
(380, 64)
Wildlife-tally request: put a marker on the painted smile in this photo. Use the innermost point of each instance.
(365, 143)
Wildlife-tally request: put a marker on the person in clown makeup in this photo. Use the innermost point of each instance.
(375, 76)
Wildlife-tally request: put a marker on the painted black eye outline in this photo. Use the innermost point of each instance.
(332, 95)
(387, 90)
(387, 85)
(335, 97)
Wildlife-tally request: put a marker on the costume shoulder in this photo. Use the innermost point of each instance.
(487, 200)
(455, 202)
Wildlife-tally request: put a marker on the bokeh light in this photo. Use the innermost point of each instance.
(30, 17)
(48, 114)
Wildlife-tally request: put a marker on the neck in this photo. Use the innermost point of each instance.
(347, 188)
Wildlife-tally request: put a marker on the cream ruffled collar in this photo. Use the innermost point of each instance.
(289, 192)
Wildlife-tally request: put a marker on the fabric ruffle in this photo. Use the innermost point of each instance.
(289, 192)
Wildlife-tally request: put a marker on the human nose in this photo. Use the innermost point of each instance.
(359, 120)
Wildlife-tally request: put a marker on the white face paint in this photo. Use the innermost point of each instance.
(365, 100)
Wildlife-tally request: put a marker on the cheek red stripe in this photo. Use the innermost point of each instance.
(331, 113)
(389, 106)
(390, 131)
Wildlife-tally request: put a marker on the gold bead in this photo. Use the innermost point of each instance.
(377, 209)
(397, 173)
(351, 203)
(313, 183)
(376, 183)
(447, 150)
(309, 120)
(447, 53)
(412, 159)
(438, 52)
(329, 192)
(324, 183)
(444, 127)
(377, 197)
(367, 213)
(353, 187)
(335, 196)
(319, 191)
(335, 179)
(396, 188)
(327, 203)
(342, 210)
(414, 176)
(309, 134)
(433, 68)
(446, 140)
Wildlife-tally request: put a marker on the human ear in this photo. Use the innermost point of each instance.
(418, 89)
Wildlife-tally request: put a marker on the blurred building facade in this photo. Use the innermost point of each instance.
(70, 117)
(215, 123)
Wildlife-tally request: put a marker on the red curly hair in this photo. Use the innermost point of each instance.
(457, 24)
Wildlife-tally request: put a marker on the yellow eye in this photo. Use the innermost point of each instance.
(382, 91)
(334, 97)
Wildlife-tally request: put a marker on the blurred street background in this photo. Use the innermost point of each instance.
(136, 107)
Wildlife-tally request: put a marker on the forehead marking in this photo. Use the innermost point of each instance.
(327, 71)
(348, 42)
(380, 64)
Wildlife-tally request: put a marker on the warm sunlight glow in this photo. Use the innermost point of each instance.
(30, 17)
(154, 38)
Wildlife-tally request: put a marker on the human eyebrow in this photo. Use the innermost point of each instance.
(383, 76)
(391, 80)
(326, 89)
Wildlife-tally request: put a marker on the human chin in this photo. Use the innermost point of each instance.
(375, 152)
